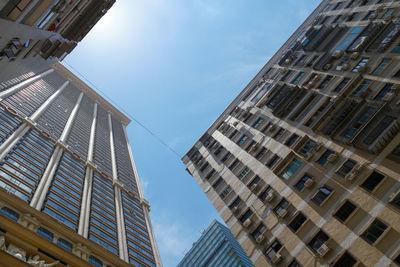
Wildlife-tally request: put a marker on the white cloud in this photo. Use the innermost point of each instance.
(174, 238)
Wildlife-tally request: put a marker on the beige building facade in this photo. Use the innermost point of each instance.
(35, 34)
(304, 165)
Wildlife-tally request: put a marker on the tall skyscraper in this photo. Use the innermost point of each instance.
(303, 165)
(35, 34)
(216, 247)
(69, 189)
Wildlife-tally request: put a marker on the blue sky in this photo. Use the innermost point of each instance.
(175, 66)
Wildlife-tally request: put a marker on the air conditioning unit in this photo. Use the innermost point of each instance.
(323, 250)
(235, 210)
(283, 70)
(254, 187)
(270, 197)
(388, 97)
(357, 168)
(350, 176)
(332, 158)
(272, 128)
(282, 213)
(393, 196)
(235, 123)
(363, 69)
(247, 223)
(260, 239)
(354, 55)
(255, 147)
(309, 183)
(337, 54)
(276, 258)
(346, 66)
(317, 147)
(248, 108)
(206, 143)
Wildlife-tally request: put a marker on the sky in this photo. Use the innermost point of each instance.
(175, 66)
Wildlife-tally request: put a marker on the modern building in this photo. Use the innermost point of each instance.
(34, 34)
(69, 188)
(304, 164)
(216, 247)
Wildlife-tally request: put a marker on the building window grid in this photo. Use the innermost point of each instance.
(16, 182)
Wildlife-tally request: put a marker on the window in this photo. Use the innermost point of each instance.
(225, 158)
(218, 150)
(396, 200)
(397, 260)
(396, 50)
(346, 260)
(243, 173)
(95, 261)
(242, 140)
(324, 158)
(341, 85)
(318, 240)
(210, 174)
(255, 181)
(325, 82)
(381, 66)
(225, 192)
(234, 164)
(351, 17)
(292, 140)
(360, 64)
(264, 130)
(204, 167)
(64, 244)
(306, 148)
(337, 19)
(350, 37)
(363, 117)
(344, 212)
(217, 183)
(294, 263)
(233, 134)
(246, 215)
(281, 207)
(257, 123)
(45, 233)
(374, 231)
(322, 194)
(387, 13)
(291, 168)
(369, 14)
(250, 146)
(265, 193)
(379, 129)
(298, 77)
(273, 161)
(261, 153)
(273, 249)
(386, 89)
(361, 88)
(301, 183)
(259, 231)
(284, 77)
(235, 203)
(9, 213)
(372, 181)
(346, 167)
(301, 60)
(312, 61)
(278, 134)
(297, 222)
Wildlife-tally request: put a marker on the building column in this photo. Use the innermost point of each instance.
(45, 182)
(28, 123)
(21, 85)
(123, 248)
(83, 228)
(144, 203)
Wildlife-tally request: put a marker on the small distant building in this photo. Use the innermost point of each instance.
(216, 247)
